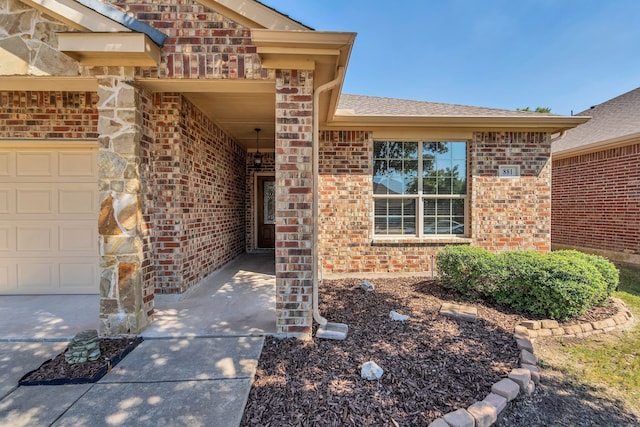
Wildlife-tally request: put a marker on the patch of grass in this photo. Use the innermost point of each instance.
(614, 362)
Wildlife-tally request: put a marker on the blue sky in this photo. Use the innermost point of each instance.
(563, 54)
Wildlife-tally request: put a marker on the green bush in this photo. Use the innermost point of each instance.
(609, 272)
(559, 285)
(468, 269)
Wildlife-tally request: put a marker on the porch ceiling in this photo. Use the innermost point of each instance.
(238, 107)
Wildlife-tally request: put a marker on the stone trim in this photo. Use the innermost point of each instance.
(548, 328)
(520, 380)
(525, 378)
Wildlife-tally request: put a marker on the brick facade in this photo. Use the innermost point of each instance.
(294, 202)
(200, 44)
(504, 213)
(195, 197)
(48, 115)
(596, 202)
(511, 213)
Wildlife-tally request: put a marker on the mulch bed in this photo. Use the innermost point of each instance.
(433, 365)
(57, 371)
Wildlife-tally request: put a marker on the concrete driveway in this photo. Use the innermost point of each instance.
(194, 368)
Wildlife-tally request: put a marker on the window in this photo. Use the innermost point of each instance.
(419, 188)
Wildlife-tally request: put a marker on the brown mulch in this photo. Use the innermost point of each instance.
(433, 365)
(58, 368)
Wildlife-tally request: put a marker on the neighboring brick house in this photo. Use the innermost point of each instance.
(143, 113)
(596, 182)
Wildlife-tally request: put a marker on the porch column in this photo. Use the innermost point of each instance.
(294, 203)
(120, 220)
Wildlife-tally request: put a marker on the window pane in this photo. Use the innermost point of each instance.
(395, 216)
(429, 207)
(443, 207)
(457, 207)
(457, 225)
(459, 150)
(444, 186)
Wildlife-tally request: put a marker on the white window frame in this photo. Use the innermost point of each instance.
(420, 197)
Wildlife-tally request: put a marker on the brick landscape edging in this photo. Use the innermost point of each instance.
(525, 378)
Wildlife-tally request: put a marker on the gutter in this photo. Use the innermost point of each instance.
(327, 329)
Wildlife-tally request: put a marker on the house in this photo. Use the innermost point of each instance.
(596, 182)
(130, 131)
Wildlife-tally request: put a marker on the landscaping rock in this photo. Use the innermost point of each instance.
(366, 285)
(394, 315)
(459, 418)
(83, 347)
(506, 388)
(371, 371)
(485, 414)
(522, 377)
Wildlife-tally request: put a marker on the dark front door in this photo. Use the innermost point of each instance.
(266, 212)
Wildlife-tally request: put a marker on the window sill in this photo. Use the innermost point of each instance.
(433, 240)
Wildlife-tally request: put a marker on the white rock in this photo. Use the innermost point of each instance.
(367, 286)
(371, 371)
(394, 315)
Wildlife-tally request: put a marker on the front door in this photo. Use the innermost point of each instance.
(266, 212)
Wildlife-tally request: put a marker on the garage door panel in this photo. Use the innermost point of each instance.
(7, 276)
(37, 275)
(33, 200)
(6, 164)
(7, 240)
(7, 196)
(78, 199)
(35, 164)
(36, 240)
(78, 164)
(79, 236)
(80, 276)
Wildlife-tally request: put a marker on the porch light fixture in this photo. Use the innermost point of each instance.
(257, 157)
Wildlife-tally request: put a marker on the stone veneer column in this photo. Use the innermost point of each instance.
(119, 224)
(294, 202)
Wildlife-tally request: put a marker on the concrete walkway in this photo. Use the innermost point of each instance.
(194, 368)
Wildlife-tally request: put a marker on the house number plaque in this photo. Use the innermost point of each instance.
(511, 171)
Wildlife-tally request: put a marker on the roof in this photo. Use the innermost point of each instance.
(361, 105)
(612, 121)
(121, 17)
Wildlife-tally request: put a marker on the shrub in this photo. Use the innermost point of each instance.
(469, 270)
(609, 272)
(559, 285)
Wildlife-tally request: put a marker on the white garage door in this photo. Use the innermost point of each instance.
(48, 219)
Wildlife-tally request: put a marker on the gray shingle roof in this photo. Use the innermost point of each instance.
(361, 105)
(613, 119)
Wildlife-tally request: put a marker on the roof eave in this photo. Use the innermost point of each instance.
(110, 49)
(253, 14)
(632, 138)
(550, 124)
(324, 52)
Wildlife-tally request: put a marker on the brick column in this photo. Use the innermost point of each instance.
(294, 202)
(120, 220)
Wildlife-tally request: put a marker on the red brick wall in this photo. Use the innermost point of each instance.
(511, 213)
(200, 43)
(294, 202)
(195, 195)
(505, 213)
(48, 115)
(596, 201)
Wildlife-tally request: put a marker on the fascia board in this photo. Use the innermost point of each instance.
(76, 15)
(95, 49)
(252, 14)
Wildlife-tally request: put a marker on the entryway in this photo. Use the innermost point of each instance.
(237, 300)
(266, 212)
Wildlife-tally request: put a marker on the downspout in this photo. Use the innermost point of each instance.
(316, 178)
